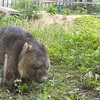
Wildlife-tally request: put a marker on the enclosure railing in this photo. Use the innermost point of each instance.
(7, 3)
(46, 3)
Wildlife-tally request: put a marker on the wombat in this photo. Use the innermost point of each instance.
(24, 56)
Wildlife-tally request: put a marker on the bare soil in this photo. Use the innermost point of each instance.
(47, 18)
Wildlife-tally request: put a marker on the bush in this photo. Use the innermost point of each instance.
(27, 8)
(36, 16)
(15, 20)
(51, 9)
(67, 11)
(96, 9)
(79, 9)
(88, 24)
(8, 20)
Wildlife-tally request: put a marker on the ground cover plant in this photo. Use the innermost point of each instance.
(75, 58)
(27, 9)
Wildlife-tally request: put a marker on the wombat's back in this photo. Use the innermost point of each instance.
(14, 31)
(13, 38)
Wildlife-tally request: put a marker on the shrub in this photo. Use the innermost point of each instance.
(88, 24)
(27, 8)
(8, 20)
(96, 9)
(51, 9)
(79, 9)
(67, 11)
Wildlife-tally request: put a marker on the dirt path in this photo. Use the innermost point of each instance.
(47, 19)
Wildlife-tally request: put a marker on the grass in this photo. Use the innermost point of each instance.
(75, 58)
(63, 84)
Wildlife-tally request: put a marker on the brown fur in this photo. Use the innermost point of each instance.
(26, 58)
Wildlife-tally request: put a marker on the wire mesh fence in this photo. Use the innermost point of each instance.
(59, 4)
(27, 7)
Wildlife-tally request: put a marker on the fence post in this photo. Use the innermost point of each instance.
(3, 3)
(7, 3)
(89, 7)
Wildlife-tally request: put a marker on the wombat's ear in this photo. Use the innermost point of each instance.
(26, 48)
(43, 46)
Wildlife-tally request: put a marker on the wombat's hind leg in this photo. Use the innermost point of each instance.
(3, 72)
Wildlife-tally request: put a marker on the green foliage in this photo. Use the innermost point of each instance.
(67, 11)
(8, 20)
(51, 9)
(75, 60)
(54, 39)
(79, 9)
(76, 48)
(36, 16)
(96, 9)
(88, 25)
(27, 8)
(22, 87)
(14, 20)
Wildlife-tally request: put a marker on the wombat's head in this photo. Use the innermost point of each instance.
(34, 63)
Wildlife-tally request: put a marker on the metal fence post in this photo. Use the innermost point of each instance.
(7, 3)
(3, 3)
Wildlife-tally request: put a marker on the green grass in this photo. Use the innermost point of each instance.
(75, 61)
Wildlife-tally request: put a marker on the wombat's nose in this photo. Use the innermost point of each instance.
(43, 79)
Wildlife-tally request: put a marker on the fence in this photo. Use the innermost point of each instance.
(60, 4)
(5, 3)
(46, 3)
